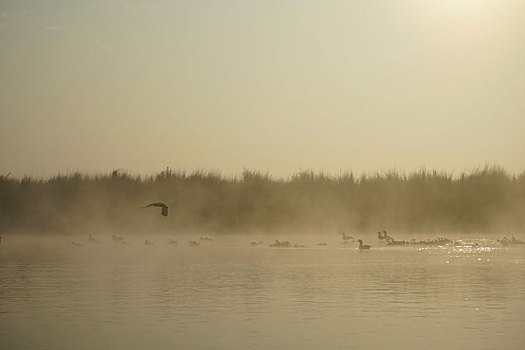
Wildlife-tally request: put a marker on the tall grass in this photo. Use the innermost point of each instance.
(484, 200)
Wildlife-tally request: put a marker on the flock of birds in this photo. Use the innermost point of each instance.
(385, 239)
(195, 243)
(382, 236)
(121, 240)
(277, 243)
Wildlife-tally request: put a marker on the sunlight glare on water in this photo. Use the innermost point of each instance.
(226, 294)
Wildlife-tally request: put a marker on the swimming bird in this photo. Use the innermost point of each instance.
(387, 237)
(347, 238)
(117, 239)
(164, 207)
(281, 244)
(94, 240)
(363, 246)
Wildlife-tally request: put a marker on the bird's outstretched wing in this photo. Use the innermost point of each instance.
(164, 207)
(156, 204)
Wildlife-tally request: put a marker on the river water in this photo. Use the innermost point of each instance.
(226, 294)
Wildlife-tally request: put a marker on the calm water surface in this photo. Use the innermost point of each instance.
(228, 295)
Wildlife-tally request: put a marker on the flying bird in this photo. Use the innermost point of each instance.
(164, 207)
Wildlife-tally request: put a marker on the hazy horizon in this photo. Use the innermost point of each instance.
(94, 86)
(255, 174)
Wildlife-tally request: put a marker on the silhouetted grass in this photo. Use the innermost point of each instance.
(484, 200)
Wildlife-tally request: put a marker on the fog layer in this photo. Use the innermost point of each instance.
(486, 200)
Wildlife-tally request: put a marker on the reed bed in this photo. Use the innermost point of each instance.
(484, 200)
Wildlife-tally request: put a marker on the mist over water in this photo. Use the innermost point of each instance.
(226, 294)
(482, 201)
(274, 264)
(422, 102)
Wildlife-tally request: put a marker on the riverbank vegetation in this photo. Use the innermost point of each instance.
(482, 201)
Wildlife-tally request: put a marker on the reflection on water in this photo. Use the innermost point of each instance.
(225, 295)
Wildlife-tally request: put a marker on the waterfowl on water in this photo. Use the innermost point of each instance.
(387, 237)
(363, 246)
(347, 238)
(94, 240)
(394, 242)
(384, 236)
(164, 211)
(512, 241)
(77, 244)
(280, 244)
(117, 239)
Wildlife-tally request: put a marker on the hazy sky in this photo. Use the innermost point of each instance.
(278, 86)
